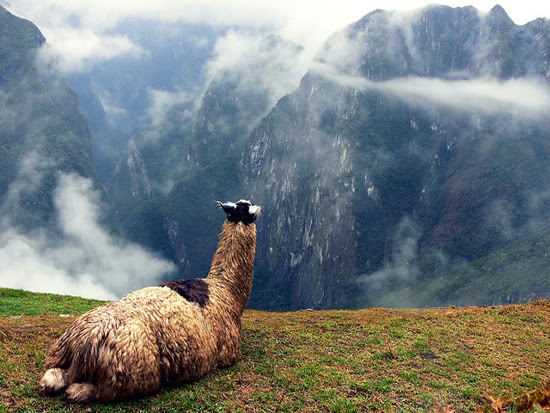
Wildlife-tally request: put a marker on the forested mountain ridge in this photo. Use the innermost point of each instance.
(43, 132)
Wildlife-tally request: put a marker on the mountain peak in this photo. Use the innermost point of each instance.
(15, 29)
(499, 15)
(497, 8)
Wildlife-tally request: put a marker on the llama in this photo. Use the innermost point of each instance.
(170, 334)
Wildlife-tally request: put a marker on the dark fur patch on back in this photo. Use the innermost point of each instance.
(193, 290)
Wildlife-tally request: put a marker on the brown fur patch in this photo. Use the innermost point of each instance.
(194, 290)
(81, 393)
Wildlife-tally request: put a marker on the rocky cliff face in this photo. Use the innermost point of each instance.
(368, 184)
(300, 166)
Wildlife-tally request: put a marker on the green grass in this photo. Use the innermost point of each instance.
(373, 360)
(21, 302)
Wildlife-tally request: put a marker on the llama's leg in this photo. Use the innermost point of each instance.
(134, 379)
(230, 348)
(81, 393)
(228, 358)
(130, 367)
(53, 380)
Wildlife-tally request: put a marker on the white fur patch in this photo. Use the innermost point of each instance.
(53, 380)
(230, 205)
(254, 210)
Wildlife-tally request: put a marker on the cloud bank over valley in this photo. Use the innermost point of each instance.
(524, 97)
(80, 257)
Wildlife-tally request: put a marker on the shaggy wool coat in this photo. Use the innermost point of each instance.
(169, 334)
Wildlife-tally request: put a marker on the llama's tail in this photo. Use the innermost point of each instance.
(53, 380)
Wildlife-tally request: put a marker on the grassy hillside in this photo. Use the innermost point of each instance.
(432, 360)
(14, 303)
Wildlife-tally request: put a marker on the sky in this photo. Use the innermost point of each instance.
(82, 31)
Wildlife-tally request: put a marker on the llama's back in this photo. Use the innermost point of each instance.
(87, 338)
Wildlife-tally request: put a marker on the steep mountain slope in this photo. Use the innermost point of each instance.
(42, 133)
(200, 149)
(375, 179)
(233, 104)
(154, 160)
(239, 96)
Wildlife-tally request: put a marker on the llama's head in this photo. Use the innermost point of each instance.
(241, 211)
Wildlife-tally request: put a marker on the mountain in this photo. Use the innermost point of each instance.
(116, 96)
(43, 133)
(408, 167)
(377, 184)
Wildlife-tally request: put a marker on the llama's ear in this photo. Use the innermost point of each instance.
(228, 207)
(254, 210)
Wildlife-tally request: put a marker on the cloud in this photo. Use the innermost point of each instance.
(85, 260)
(392, 283)
(522, 96)
(76, 50)
(255, 63)
(81, 33)
(162, 101)
(502, 215)
(105, 14)
(29, 175)
(28, 265)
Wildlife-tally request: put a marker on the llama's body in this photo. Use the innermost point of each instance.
(173, 333)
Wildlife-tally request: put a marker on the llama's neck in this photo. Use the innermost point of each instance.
(233, 262)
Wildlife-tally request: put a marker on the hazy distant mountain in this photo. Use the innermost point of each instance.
(116, 96)
(42, 134)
